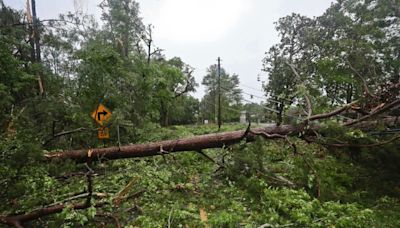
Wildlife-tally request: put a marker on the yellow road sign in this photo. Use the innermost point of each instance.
(101, 115)
(103, 133)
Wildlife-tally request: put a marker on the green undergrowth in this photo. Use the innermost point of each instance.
(154, 133)
(264, 183)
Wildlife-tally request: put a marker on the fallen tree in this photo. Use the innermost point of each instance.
(198, 143)
(217, 140)
(169, 146)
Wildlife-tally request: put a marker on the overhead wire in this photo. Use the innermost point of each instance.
(259, 90)
(239, 111)
(249, 87)
(255, 96)
(230, 108)
(263, 107)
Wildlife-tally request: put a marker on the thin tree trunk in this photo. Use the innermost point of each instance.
(163, 114)
(279, 114)
(349, 93)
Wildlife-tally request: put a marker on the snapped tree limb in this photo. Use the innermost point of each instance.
(306, 97)
(18, 220)
(382, 109)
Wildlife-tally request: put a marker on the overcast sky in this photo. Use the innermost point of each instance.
(200, 31)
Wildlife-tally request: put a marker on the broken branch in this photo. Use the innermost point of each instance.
(17, 220)
(375, 112)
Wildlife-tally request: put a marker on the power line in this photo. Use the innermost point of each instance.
(226, 89)
(266, 108)
(260, 94)
(263, 107)
(249, 87)
(272, 110)
(252, 95)
(237, 110)
(230, 108)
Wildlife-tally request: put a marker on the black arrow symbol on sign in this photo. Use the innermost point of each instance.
(101, 113)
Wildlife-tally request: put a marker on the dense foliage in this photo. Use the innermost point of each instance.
(351, 50)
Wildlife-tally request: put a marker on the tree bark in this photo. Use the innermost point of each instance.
(200, 142)
(279, 114)
(169, 146)
(164, 119)
(17, 220)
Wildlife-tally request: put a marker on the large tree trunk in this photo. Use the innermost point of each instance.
(195, 143)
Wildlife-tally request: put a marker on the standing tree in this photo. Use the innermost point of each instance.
(350, 51)
(174, 80)
(294, 50)
(123, 25)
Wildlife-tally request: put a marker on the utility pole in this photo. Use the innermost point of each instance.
(219, 93)
(150, 40)
(31, 31)
(35, 42)
(36, 31)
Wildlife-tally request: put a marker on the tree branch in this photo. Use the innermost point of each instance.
(332, 113)
(357, 145)
(375, 112)
(187, 86)
(81, 129)
(17, 220)
(210, 158)
(366, 89)
(306, 97)
(116, 220)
